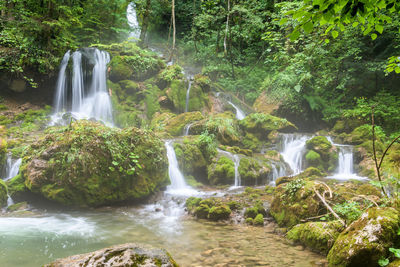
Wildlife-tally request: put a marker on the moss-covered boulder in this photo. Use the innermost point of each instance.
(3, 150)
(88, 164)
(169, 74)
(258, 220)
(220, 212)
(294, 201)
(224, 126)
(176, 93)
(221, 171)
(253, 171)
(261, 124)
(3, 194)
(176, 125)
(321, 154)
(128, 255)
(318, 236)
(367, 239)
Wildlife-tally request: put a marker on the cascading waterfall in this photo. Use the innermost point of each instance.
(239, 113)
(188, 94)
(236, 161)
(11, 170)
(293, 149)
(187, 128)
(278, 170)
(178, 185)
(345, 169)
(86, 96)
(133, 21)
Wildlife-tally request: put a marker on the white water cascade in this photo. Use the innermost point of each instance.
(86, 96)
(11, 168)
(239, 113)
(178, 185)
(236, 160)
(187, 128)
(278, 170)
(133, 21)
(345, 169)
(188, 94)
(293, 149)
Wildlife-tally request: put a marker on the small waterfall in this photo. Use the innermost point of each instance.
(12, 168)
(133, 21)
(239, 113)
(178, 185)
(187, 128)
(278, 170)
(236, 160)
(188, 94)
(345, 169)
(87, 96)
(10, 201)
(293, 149)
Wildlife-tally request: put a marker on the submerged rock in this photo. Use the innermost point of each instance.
(126, 255)
(88, 164)
(367, 239)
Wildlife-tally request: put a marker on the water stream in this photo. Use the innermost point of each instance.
(188, 93)
(293, 149)
(86, 95)
(239, 113)
(236, 160)
(133, 21)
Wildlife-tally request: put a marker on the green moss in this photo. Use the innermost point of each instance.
(234, 205)
(219, 213)
(251, 212)
(249, 220)
(192, 202)
(176, 93)
(319, 236)
(120, 70)
(259, 220)
(221, 171)
(201, 211)
(319, 144)
(17, 206)
(313, 159)
(176, 125)
(129, 87)
(3, 194)
(88, 164)
(16, 186)
(253, 171)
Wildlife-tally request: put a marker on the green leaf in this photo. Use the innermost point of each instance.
(115, 163)
(355, 24)
(383, 262)
(335, 34)
(374, 36)
(283, 21)
(379, 28)
(308, 27)
(297, 88)
(327, 41)
(397, 69)
(395, 251)
(294, 35)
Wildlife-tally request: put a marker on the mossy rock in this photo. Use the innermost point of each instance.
(129, 87)
(16, 186)
(204, 82)
(261, 124)
(224, 126)
(160, 121)
(367, 239)
(313, 159)
(319, 144)
(120, 70)
(250, 141)
(191, 203)
(3, 150)
(253, 171)
(259, 220)
(18, 207)
(202, 211)
(176, 93)
(221, 171)
(3, 194)
(295, 201)
(318, 236)
(220, 212)
(176, 125)
(88, 164)
(169, 74)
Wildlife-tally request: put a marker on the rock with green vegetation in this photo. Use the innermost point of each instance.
(220, 212)
(321, 154)
(346, 125)
(120, 70)
(3, 150)
(202, 211)
(221, 171)
(88, 164)
(318, 236)
(259, 220)
(128, 255)
(169, 74)
(224, 126)
(367, 239)
(261, 124)
(176, 94)
(176, 125)
(18, 207)
(16, 186)
(191, 203)
(265, 104)
(253, 171)
(3, 194)
(294, 201)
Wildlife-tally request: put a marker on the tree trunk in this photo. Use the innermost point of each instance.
(174, 29)
(226, 29)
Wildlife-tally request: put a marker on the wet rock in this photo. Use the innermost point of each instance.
(367, 239)
(3, 194)
(125, 255)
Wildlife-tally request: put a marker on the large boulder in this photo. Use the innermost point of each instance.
(367, 239)
(127, 255)
(176, 125)
(88, 164)
(254, 171)
(321, 154)
(221, 171)
(319, 236)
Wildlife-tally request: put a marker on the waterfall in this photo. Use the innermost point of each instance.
(345, 169)
(187, 128)
(236, 161)
(293, 149)
(133, 21)
(239, 113)
(178, 185)
(278, 170)
(12, 168)
(188, 94)
(86, 96)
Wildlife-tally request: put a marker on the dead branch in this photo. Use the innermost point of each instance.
(329, 207)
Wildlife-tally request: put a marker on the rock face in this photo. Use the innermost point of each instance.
(125, 255)
(367, 239)
(88, 164)
(3, 194)
(320, 154)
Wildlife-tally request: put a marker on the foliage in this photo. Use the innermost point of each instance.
(350, 211)
(293, 186)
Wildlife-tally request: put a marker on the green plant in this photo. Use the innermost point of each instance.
(350, 211)
(293, 186)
